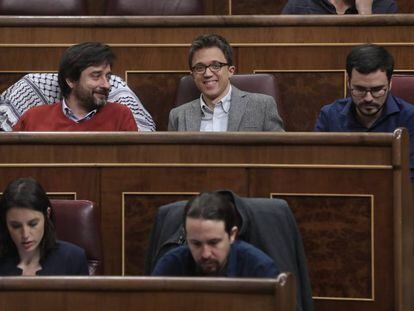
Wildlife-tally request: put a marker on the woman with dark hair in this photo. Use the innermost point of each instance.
(28, 245)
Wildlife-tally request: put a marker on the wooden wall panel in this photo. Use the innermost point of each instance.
(157, 91)
(8, 78)
(61, 182)
(321, 174)
(302, 94)
(246, 7)
(115, 182)
(337, 234)
(216, 7)
(353, 217)
(139, 214)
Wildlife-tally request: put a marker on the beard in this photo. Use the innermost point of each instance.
(374, 111)
(88, 100)
(209, 267)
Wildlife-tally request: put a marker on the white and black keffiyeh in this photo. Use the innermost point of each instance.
(36, 89)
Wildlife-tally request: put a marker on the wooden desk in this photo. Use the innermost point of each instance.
(350, 193)
(146, 294)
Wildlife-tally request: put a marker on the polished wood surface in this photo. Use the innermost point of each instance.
(132, 293)
(350, 193)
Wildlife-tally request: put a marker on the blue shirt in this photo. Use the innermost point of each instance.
(244, 260)
(340, 116)
(64, 259)
(322, 7)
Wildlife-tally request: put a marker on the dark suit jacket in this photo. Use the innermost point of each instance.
(249, 112)
(267, 224)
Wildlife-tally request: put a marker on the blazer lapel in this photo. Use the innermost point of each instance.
(193, 117)
(237, 109)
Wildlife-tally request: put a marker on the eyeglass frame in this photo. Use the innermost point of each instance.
(221, 65)
(364, 92)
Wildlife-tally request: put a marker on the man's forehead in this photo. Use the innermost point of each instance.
(198, 226)
(376, 77)
(208, 54)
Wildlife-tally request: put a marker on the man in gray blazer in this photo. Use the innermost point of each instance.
(221, 106)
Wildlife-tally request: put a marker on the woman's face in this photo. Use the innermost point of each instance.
(26, 228)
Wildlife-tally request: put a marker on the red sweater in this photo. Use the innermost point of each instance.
(111, 117)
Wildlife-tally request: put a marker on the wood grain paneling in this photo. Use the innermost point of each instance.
(116, 181)
(302, 94)
(139, 215)
(8, 78)
(308, 208)
(157, 92)
(216, 7)
(246, 7)
(337, 233)
(110, 293)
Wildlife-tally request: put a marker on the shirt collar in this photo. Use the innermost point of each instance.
(69, 113)
(224, 102)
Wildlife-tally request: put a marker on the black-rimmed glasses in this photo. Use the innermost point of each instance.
(214, 67)
(376, 92)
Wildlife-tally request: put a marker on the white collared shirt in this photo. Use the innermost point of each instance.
(215, 120)
(70, 115)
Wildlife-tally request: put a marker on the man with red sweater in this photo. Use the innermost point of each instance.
(84, 73)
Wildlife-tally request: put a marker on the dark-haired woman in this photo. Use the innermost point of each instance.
(27, 235)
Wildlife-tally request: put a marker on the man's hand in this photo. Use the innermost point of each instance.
(364, 7)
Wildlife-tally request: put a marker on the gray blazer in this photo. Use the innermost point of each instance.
(249, 112)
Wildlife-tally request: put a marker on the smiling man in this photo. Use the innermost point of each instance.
(221, 106)
(212, 248)
(84, 74)
(371, 106)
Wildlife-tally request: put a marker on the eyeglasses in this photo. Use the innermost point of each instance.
(376, 92)
(214, 67)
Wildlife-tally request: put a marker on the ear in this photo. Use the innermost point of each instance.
(348, 81)
(70, 83)
(233, 234)
(232, 70)
(390, 85)
(48, 211)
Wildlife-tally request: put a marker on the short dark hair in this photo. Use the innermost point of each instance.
(78, 57)
(368, 58)
(208, 41)
(26, 193)
(211, 206)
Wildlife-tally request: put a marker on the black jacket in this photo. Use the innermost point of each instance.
(265, 223)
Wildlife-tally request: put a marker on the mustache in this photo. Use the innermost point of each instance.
(102, 91)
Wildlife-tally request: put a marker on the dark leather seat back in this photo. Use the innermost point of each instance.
(77, 222)
(255, 83)
(269, 225)
(43, 7)
(154, 7)
(403, 87)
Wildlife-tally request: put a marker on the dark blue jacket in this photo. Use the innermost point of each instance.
(64, 259)
(244, 260)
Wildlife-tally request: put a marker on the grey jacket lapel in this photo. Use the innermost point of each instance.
(237, 109)
(193, 117)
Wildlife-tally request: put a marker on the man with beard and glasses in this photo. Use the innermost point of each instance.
(83, 77)
(340, 7)
(371, 107)
(212, 248)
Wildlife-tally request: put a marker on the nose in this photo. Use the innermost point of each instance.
(368, 96)
(209, 73)
(25, 232)
(206, 252)
(105, 82)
